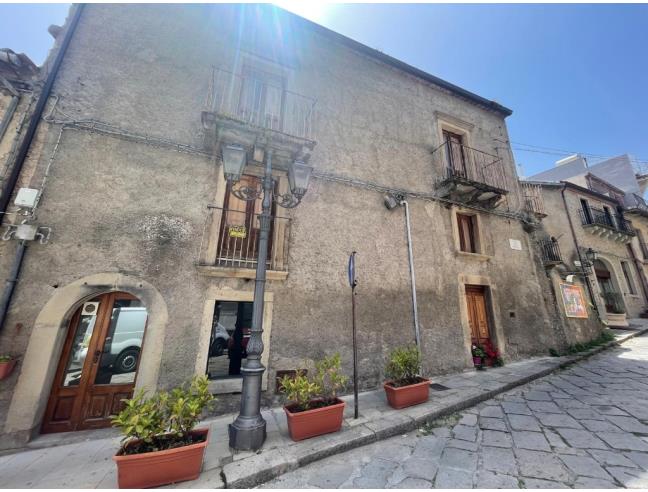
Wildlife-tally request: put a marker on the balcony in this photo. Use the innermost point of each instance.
(550, 252)
(606, 224)
(635, 205)
(249, 110)
(470, 176)
(533, 200)
(229, 249)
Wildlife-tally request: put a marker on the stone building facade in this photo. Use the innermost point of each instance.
(587, 229)
(143, 225)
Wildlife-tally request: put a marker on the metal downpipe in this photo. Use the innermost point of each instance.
(412, 273)
(10, 283)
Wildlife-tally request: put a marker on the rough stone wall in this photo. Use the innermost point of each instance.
(122, 206)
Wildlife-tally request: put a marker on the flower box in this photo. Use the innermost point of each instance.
(6, 368)
(406, 396)
(145, 470)
(314, 422)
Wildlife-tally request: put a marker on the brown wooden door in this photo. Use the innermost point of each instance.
(456, 160)
(477, 314)
(98, 365)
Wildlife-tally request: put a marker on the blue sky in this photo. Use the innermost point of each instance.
(576, 76)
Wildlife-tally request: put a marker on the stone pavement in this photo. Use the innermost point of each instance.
(84, 459)
(584, 427)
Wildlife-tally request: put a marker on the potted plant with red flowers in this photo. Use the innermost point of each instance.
(313, 406)
(478, 355)
(492, 355)
(7, 364)
(161, 445)
(405, 387)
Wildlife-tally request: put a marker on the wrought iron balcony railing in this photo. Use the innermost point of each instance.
(635, 204)
(464, 163)
(238, 238)
(597, 217)
(550, 252)
(260, 103)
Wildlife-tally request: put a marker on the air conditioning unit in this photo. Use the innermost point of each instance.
(90, 309)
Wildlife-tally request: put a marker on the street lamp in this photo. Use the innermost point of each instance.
(248, 431)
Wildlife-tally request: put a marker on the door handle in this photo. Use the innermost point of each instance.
(96, 356)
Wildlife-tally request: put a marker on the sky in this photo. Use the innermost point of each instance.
(575, 76)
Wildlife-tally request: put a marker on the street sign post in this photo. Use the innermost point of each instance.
(352, 283)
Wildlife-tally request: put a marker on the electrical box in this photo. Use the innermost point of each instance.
(26, 232)
(26, 198)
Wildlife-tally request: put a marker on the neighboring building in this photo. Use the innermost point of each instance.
(17, 77)
(146, 278)
(586, 236)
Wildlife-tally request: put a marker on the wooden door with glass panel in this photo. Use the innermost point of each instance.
(98, 365)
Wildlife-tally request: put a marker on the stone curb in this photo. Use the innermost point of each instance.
(262, 467)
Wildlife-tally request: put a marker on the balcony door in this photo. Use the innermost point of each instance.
(98, 366)
(456, 159)
(261, 98)
(240, 228)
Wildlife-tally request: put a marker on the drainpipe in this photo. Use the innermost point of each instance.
(412, 273)
(10, 283)
(580, 258)
(10, 184)
(639, 268)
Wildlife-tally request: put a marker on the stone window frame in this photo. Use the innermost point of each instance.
(455, 125)
(279, 234)
(231, 385)
(479, 234)
(630, 279)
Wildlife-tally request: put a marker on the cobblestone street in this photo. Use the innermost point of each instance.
(584, 427)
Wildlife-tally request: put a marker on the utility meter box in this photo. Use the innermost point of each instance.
(26, 198)
(26, 232)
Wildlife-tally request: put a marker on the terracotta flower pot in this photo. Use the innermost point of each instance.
(140, 471)
(315, 422)
(477, 361)
(406, 396)
(6, 368)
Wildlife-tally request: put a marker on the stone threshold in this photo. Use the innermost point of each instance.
(467, 389)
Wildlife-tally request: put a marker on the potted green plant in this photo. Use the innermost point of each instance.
(160, 444)
(7, 364)
(313, 406)
(615, 314)
(405, 387)
(478, 355)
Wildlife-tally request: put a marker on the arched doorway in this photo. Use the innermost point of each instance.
(611, 296)
(98, 365)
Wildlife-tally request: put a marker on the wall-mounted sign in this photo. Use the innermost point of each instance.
(515, 244)
(238, 231)
(574, 300)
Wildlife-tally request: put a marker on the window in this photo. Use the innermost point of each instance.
(467, 225)
(230, 332)
(454, 153)
(240, 228)
(587, 213)
(625, 266)
(261, 98)
(608, 216)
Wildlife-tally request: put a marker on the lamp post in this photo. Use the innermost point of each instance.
(248, 431)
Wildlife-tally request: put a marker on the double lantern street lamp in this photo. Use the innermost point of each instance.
(248, 431)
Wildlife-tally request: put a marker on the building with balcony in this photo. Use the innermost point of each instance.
(592, 230)
(147, 276)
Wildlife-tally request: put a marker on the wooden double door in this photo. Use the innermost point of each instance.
(477, 314)
(98, 366)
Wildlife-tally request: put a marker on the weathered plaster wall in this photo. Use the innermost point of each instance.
(124, 207)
